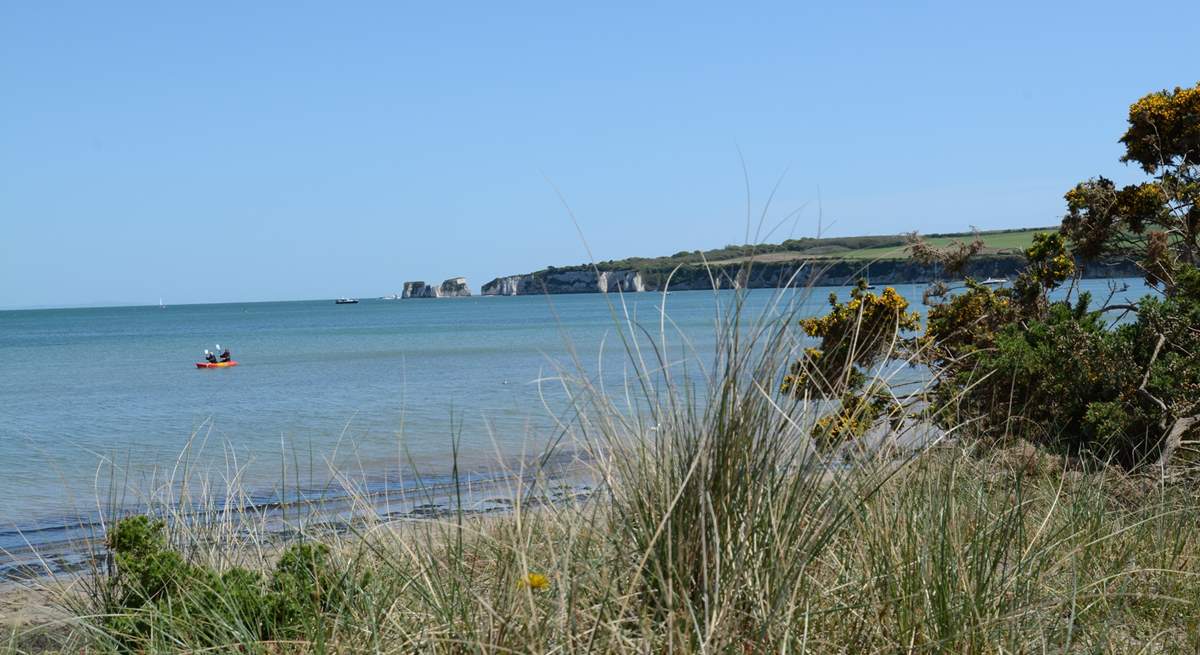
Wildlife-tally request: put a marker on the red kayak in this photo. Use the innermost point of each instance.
(215, 364)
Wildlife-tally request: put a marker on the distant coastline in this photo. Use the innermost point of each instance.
(828, 261)
(769, 275)
(798, 262)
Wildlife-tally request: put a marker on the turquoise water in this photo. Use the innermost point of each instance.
(370, 387)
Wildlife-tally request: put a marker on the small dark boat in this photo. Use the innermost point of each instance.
(346, 301)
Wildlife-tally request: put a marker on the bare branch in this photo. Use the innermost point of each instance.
(1162, 338)
(1174, 437)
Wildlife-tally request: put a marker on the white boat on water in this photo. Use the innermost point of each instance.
(993, 281)
(346, 301)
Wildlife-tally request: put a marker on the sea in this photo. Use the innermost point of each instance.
(97, 405)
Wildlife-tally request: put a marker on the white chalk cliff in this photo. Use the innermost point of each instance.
(569, 281)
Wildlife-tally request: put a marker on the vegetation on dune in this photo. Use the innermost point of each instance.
(719, 531)
(1059, 373)
(1013, 552)
(1010, 363)
(856, 335)
(151, 590)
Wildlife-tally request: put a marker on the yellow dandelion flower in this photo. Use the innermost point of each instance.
(537, 581)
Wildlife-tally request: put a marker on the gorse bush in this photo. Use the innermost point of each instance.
(1070, 382)
(959, 344)
(1156, 222)
(1012, 363)
(855, 335)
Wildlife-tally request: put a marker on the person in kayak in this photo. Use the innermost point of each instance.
(209, 357)
(226, 355)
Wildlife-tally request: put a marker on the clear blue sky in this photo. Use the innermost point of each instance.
(253, 151)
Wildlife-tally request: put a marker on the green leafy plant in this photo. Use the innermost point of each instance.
(153, 590)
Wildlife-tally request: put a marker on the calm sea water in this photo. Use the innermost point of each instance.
(365, 387)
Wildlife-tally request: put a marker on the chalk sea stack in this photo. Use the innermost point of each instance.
(455, 287)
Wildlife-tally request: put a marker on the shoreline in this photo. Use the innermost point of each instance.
(333, 507)
(30, 592)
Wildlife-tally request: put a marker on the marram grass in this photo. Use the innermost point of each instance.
(950, 554)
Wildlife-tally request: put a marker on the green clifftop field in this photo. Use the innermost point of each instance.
(861, 247)
(794, 262)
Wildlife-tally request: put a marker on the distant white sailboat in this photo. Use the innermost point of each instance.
(160, 303)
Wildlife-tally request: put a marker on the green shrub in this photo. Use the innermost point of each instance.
(1067, 381)
(1010, 363)
(154, 593)
(303, 586)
